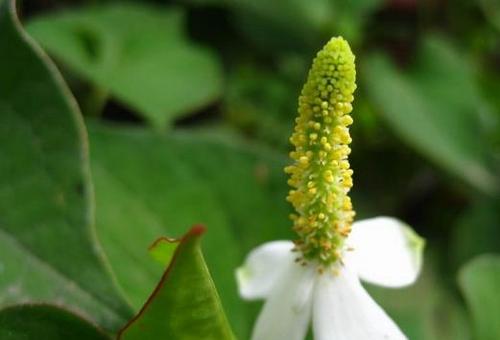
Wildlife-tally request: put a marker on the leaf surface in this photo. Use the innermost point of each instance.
(139, 54)
(423, 109)
(33, 322)
(479, 280)
(48, 250)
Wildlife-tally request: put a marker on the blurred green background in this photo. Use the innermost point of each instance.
(189, 105)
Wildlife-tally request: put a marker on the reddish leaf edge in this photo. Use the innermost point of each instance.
(195, 231)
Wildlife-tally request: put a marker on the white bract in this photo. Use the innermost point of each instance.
(384, 251)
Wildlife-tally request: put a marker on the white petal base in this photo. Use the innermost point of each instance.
(287, 310)
(343, 310)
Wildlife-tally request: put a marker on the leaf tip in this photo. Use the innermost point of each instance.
(162, 249)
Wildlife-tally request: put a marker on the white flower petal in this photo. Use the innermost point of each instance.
(386, 252)
(287, 311)
(343, 310)
(261, 268)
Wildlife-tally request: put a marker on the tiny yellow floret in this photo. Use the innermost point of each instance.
(320, 176)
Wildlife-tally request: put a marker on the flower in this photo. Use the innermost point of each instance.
(384, 251)
(318, 273)
(320, 176)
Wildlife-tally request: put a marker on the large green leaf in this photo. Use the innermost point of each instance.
(33, 322)
(425, 110)
(185, 304)
(48, 250)
(149, 184)
(479, 280)
(139, 54)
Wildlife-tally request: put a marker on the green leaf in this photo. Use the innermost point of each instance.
(162, 250)
(48, 250)
(33, 322)
(479, 280)
(139, 54)
(437, 67)
(185, 304)
(166, 182)
(423, 109)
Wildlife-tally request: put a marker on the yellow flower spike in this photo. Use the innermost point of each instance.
(320, 176)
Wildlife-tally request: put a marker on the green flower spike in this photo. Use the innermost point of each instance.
(321, 176)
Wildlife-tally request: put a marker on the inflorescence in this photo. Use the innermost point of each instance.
(320, 176)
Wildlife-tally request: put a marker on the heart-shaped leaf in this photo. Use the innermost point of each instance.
(185, 304)
(48, 250)
(139, 54)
